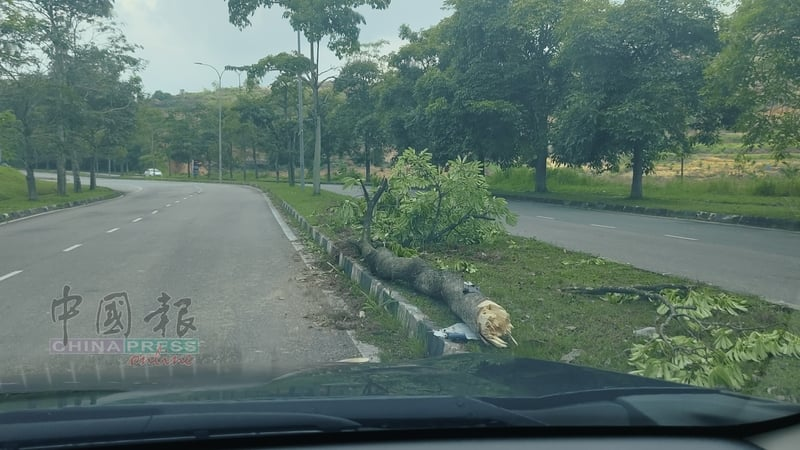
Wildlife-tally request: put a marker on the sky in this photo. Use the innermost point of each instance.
(174, 34)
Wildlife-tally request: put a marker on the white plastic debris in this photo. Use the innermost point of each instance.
(459, 331)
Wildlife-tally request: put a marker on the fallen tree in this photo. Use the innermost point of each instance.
(490, 320)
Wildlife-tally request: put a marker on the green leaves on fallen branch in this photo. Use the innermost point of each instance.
(692, 344)
(425, 204)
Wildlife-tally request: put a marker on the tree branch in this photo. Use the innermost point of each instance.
(447, 230)
(366, 236)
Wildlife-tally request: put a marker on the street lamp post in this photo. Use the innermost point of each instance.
(301, 144)
(219, 108)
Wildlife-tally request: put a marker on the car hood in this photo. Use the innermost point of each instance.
(454, 375)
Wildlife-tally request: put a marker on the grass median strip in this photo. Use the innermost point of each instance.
(14, 194)
(775, 197)
(531, 280)
(372, 323)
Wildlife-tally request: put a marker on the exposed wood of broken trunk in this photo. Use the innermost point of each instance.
(490, 320)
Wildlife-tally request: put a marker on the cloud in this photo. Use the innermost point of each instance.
(176, 33)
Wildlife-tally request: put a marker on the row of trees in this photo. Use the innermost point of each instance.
(595, 83)
(580, 82)
(68, 84)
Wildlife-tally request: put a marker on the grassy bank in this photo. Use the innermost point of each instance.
(528, 278)
(14, 192)
(761, 196)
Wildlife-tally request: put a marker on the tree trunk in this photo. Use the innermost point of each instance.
(230, 163)
(328, 164)
(255, 161)
(76, 172)
(317, 119)
(683, 159)
(488, 319)
(291, 162)
(61, 174)
(367, 160)
(638, 174)
(540, 173)
(93, 173)
(30, 180)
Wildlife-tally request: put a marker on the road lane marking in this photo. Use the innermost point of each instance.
(69, 249)
(680, 237)
(545, 217)
(112, 230)
(177, 201)
(155, 211)
(169, 204)
(137, 219)
(603, 226)
(10, 274)
(187, 198)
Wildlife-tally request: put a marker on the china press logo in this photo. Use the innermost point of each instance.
(113, 327)
(125, 346)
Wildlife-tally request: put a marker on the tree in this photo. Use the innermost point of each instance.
(756, 74)
(61, 23)
(543, 88)
(336, 20)
(288, 66)
(17, 30)
(24, 96)
(637, 69)
(397, 105)
(247, 109)
(10, 135)
(358, 79)
(337, 129)
(108, 103)
(434, 205)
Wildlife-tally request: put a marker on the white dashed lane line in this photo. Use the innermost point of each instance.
(137, 219)
(10, 274)
(69, 249)
(545, 217)
(112, 230)
(680, 237)
(155, 211)
(603, 226)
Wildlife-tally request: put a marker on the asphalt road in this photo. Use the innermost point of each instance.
(764, 262)
(218, 245)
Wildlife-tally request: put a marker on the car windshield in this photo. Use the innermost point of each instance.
(563, 202)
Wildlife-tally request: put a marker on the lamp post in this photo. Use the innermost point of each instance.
(219, 108)
(301, 144)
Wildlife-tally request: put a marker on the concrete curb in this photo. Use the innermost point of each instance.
(16, 215)
(410, 317)
(753, 221)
